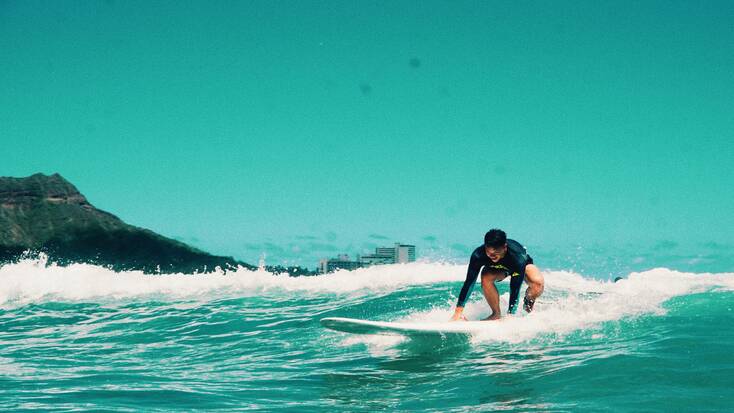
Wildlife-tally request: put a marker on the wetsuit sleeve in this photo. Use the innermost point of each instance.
(471, 278)
(516, 283)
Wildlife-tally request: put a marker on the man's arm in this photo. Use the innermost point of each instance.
(522, 261)
(532, 273)
(515, 284)
(472, 272)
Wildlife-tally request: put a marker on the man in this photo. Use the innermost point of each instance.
(498, 258)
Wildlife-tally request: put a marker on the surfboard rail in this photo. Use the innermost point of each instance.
(357, 326)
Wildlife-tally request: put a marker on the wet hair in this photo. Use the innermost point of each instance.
(495, 238)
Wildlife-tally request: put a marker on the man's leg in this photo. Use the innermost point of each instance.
(491, 294)
(536, 285)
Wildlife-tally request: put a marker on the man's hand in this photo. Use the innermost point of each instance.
(458, 314)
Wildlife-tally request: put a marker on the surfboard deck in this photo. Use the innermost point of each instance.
(357, 326)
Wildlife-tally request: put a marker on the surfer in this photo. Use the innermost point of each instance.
(498, 258)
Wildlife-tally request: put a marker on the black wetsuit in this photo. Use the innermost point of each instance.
(512, 264)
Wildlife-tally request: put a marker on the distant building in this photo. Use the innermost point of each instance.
(377, 259)
(404, 253)
(398, 254)
(386, 252)
(342, 262)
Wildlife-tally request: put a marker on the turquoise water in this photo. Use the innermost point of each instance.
(84, 338)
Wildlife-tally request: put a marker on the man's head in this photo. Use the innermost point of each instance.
(495, 244)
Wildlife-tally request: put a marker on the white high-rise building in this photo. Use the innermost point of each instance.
(400, 253)
(404, 253)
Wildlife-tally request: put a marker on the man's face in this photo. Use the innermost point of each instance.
(496, 254)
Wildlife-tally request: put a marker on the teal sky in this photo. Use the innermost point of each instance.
(302, 129)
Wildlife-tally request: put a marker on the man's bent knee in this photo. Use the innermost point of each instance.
(537, 286)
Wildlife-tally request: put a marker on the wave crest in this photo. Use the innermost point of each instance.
(32, 280)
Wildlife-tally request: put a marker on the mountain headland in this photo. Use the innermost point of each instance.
(46, 213)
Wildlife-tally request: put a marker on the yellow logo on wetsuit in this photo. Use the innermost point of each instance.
(507, 270)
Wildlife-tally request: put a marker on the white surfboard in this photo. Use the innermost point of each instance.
(356, 326)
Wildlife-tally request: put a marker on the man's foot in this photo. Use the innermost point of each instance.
(528, 304)
(492, 317)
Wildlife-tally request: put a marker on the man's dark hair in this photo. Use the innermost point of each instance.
(495, 238)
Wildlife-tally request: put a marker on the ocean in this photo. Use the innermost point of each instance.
(84, 338)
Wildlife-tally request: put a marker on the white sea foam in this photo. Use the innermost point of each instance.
(572, 302)
(32, 281)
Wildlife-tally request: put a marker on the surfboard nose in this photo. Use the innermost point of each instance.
(348, 325)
